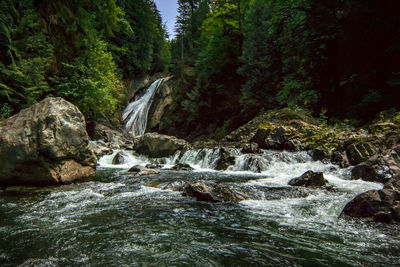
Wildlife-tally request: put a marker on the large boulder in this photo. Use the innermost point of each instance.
(157, 145)
(377, 205)
(212, 193)
(45, 144)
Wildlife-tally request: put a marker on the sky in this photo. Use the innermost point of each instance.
(169, 11)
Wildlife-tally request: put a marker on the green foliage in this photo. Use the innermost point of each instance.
(91, 83)
(5, 111)
(73, 48)
(25, 59)
(143, 48)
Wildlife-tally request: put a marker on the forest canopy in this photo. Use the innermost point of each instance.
(231, 59)
(338, 57)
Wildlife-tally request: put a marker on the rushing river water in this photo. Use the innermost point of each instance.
(117, 219)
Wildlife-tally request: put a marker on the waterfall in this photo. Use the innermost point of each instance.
(135, 114)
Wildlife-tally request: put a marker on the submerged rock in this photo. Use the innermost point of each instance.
(142, 171)
(146, 171)
(158, 145)
(45, 144)
(182, 167)
(309, 179)
(377, 205)
(212, 193)
(154, 166)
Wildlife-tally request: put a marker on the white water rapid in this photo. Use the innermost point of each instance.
(135, 114)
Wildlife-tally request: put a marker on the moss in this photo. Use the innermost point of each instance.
(266, 126)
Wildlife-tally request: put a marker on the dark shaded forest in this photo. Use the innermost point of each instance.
(231, 59)
(338, 59)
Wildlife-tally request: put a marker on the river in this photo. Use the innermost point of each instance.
(118, 219)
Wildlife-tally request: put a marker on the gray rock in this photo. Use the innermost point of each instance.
(162, 100)
(136, 168)
(251, 148)
(309, 179)
(278, 138)
(157, 145)
(45, 144)
(360, 152)
(377, 205)
(340, 158)
(113, 138)
(147, 172)
(225, 159)
(212, 193)
(154, 166)
(100, 148)
(182, 167)
(119, 158)
(320, 154)
(379, 168)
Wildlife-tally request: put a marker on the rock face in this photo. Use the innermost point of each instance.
(157, 145)
(212, 193)
(45, 144)
(162, 99)
(377, 205)
(136, 85)
(309, 179)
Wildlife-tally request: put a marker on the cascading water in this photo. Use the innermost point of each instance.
(135, 114)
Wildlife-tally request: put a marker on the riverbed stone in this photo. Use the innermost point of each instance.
(136, 168)
(182, 167)
(212, 193)
(119, 158)
(377, 205)
(309, 179)
(45, 144)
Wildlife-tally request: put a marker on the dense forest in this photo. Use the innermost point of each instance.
(337, 58)
(80, 50)
(231, 59)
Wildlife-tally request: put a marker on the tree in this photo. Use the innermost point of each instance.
(25, 59)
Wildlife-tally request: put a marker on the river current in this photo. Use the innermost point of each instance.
(118, 219)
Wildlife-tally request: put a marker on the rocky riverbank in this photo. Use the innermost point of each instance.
(48, 144)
